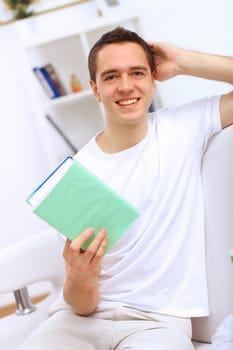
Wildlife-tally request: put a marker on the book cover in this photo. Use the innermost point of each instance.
(46, 82)
(72, 199)
(43, 82)
(55, 79)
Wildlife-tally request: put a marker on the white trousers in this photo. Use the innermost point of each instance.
(119, 329)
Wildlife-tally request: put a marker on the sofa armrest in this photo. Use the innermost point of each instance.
(217, 175)
(34, 259)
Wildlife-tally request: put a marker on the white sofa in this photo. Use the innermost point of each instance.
(19, 265)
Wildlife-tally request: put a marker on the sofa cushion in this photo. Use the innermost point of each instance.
(217, 175)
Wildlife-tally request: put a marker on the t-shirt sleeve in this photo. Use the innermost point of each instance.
(196, 121)
(211, 118)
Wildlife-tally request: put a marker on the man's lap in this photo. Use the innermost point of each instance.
(119, 329)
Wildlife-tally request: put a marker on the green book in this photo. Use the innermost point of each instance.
(71, 199)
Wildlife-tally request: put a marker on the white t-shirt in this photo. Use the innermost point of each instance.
(159, 263)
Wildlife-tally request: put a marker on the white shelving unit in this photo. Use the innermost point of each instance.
(78, 115)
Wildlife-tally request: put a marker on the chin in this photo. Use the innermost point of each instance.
(134, 116)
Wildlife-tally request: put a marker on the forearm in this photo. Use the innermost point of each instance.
(203, 65)
(83, 299)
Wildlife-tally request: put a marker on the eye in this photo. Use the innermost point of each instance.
(110, 78)
(138, 74)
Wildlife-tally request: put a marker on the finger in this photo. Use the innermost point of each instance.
(95, 244)
(66, 249)
(100, 251)
(78, 242)
(151, 45)
(159, 60)
(155, 47)
(76, 255)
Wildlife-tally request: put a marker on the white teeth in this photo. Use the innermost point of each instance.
(127, 102)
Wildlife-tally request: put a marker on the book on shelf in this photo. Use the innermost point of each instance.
(49, 80)
(72, 198)
(55, 79)
(46, 83)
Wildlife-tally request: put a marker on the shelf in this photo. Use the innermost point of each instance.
(99, 23)
(75, 97)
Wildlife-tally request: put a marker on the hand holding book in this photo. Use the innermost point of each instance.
(96, 249)
(83, 268)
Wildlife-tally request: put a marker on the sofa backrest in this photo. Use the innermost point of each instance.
(217, 175)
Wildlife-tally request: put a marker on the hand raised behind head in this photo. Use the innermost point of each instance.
(166, 60)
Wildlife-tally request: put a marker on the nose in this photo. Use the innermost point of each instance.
(125, 83)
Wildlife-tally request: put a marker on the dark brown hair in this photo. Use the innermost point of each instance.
(118, 35)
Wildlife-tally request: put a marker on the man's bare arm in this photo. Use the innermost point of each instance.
(172, 61)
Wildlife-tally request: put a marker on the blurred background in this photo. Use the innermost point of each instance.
(198, 25)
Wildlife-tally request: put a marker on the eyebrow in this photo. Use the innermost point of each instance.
(110, 71)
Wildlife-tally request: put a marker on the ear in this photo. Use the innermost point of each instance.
(154, 74)
(153, 85)
(95, 90)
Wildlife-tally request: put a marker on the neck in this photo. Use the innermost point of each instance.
(113, 140)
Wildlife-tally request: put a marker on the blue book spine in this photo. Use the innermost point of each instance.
(53, 87)
(46, 82)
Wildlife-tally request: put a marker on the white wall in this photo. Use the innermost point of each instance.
(22, 160)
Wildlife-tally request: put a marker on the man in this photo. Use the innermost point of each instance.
(142, 294)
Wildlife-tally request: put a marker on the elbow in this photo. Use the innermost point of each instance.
(84, 313)
(82, 307)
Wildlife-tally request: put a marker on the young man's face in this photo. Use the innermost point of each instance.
(124, 83)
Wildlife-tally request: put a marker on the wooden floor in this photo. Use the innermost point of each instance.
(10, 309)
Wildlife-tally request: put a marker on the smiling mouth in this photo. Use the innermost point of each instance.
(128, 102)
